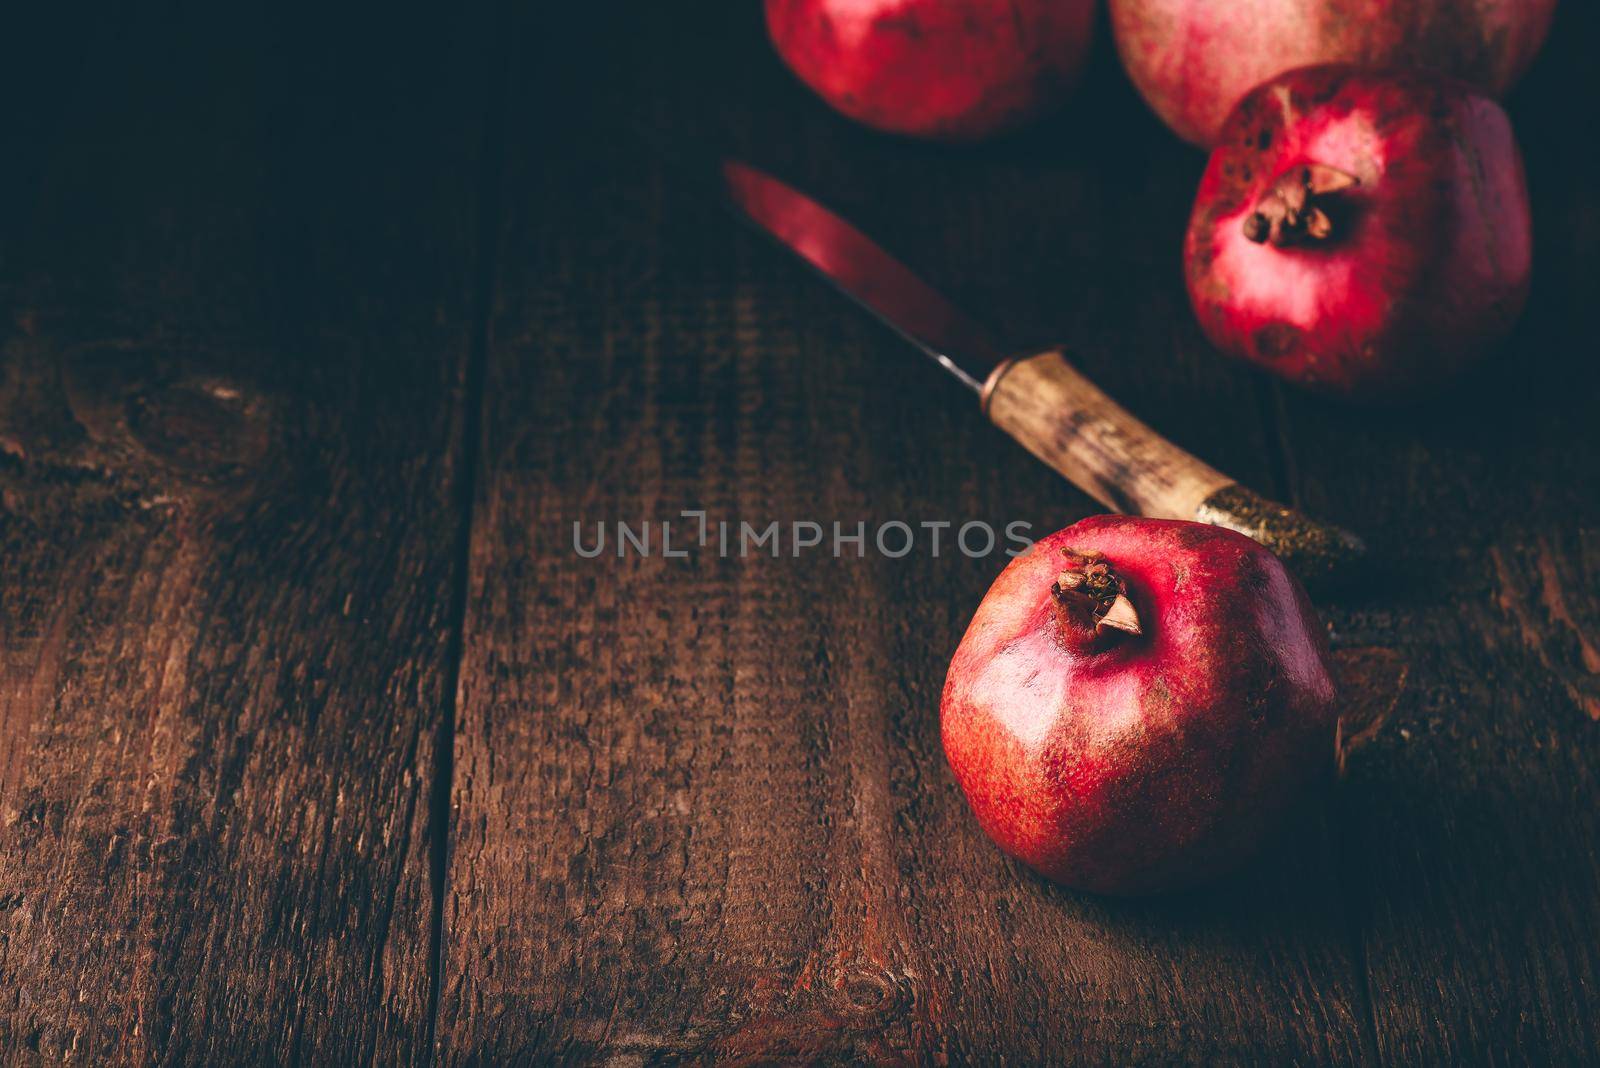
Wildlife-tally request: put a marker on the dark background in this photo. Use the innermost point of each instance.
(318, 743)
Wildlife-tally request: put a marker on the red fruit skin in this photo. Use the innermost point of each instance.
(1166, 758)
(932, 68)
(1430, 264)
(1193, 59)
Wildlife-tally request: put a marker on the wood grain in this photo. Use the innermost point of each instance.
(700, 806)
(238, 297)
(1469, 825)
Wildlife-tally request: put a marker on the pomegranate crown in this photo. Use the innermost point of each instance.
(1294, 210)
(1091, 599)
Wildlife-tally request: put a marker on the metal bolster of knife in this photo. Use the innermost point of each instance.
(1072, 425)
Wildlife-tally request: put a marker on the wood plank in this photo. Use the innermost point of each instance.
(1470, 825)
(700, 804)
(231, 403)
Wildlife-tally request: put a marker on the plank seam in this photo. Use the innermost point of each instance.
(1286, 475)
(491, 167)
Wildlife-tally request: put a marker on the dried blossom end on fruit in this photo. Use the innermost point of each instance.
(1295, 210)
(1090, 597)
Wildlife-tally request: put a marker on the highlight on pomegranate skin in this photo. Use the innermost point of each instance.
(1364, 234)
(1193, 59)
(932, 68)
(1139, 704)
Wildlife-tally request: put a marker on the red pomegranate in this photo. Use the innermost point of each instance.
(1364, 234)
(1139, 703)
(932, 68)
(1193, 59)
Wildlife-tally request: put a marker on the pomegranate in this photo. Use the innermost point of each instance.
(932, 68)
(1140, 703)
(1365, 234)
(1193, 59)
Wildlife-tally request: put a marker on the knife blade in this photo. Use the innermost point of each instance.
(1039, 399)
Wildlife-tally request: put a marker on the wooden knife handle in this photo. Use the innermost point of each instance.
(1072, 425)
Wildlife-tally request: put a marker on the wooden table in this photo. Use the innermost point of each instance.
(319, 743)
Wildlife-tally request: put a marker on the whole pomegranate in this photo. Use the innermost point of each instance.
(1139, 703)
(1193, 59)
(933, 68)
(1365, 234)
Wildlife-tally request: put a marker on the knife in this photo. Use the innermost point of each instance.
(1039, 398)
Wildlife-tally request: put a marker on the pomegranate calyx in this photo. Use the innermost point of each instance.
(1293, 210)
(1121, 616)
(1089, 598)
